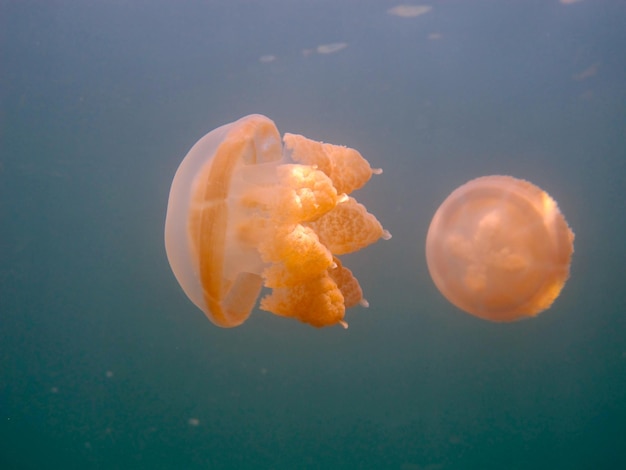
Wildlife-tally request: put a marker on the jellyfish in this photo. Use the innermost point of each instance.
(499, 248)
(248, 211)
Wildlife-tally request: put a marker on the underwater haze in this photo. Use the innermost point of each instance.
(106, 364)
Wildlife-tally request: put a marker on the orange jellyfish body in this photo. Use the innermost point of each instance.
(247, 212)
(499, 248)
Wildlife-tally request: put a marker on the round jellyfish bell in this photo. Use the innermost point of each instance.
(499, 248)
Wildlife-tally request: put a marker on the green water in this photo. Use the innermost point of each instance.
(105, 364)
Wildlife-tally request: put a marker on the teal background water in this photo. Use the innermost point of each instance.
(105, 364)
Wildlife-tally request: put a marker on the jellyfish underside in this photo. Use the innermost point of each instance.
(259, 213)
(499, 248)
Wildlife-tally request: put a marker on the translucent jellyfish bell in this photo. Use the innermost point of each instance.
(499, 248)
(245, 212)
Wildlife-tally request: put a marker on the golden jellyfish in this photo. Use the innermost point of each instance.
(247, 210)
(499, 248)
